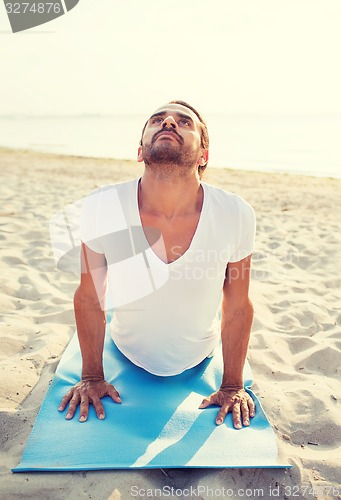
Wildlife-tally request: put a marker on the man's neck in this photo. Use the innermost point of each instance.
(172, 197)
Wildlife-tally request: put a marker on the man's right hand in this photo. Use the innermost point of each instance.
(86, 392)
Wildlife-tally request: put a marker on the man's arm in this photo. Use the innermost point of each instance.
(89, 304)
(237, 316)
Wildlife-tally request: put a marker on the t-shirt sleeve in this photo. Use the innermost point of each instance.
(247, 232)
(89, 222)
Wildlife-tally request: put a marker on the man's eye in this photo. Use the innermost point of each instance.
(157, 119)
(183, 121)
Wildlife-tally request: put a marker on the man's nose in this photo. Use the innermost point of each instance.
(169, 122)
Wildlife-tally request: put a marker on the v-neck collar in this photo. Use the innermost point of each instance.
(195, 237)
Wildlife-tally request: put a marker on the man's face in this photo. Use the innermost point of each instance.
(173, 137)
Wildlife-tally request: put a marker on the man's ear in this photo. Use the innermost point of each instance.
(139, 154)
(203, 157)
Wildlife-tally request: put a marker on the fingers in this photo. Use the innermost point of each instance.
(114, 394)
(65, 400)
(81, 394)
(84, 408)
(242, 411)
(206, 402)
(222, 414)
(73, 406)
(245, 412)
(241, 406)
(252, 407)
(98, 408)
(236, 412)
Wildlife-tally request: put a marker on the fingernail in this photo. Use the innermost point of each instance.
(238, 426)
(60, 408)
(201, 405)
(119, 400)
(101, 416)
(82, 418)
(68, 415)
(252, 414)
(246, 422)
(219, 421)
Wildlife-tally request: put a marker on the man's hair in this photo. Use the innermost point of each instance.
(204, 132)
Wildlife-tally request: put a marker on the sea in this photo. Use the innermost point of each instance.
(297, 144)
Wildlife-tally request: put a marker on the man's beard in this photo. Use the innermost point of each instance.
(169, 160)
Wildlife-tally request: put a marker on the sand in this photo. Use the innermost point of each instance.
(294, 349)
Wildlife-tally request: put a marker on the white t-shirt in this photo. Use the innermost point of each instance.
(165, 316)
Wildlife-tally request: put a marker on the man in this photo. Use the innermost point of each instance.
(195, 245)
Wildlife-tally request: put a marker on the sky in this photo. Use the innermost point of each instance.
(131, 56)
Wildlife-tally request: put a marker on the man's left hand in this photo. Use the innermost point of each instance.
(237, 401)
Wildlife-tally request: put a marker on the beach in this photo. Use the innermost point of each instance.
(295, 343)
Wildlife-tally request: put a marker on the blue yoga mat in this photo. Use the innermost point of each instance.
(158, 425)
